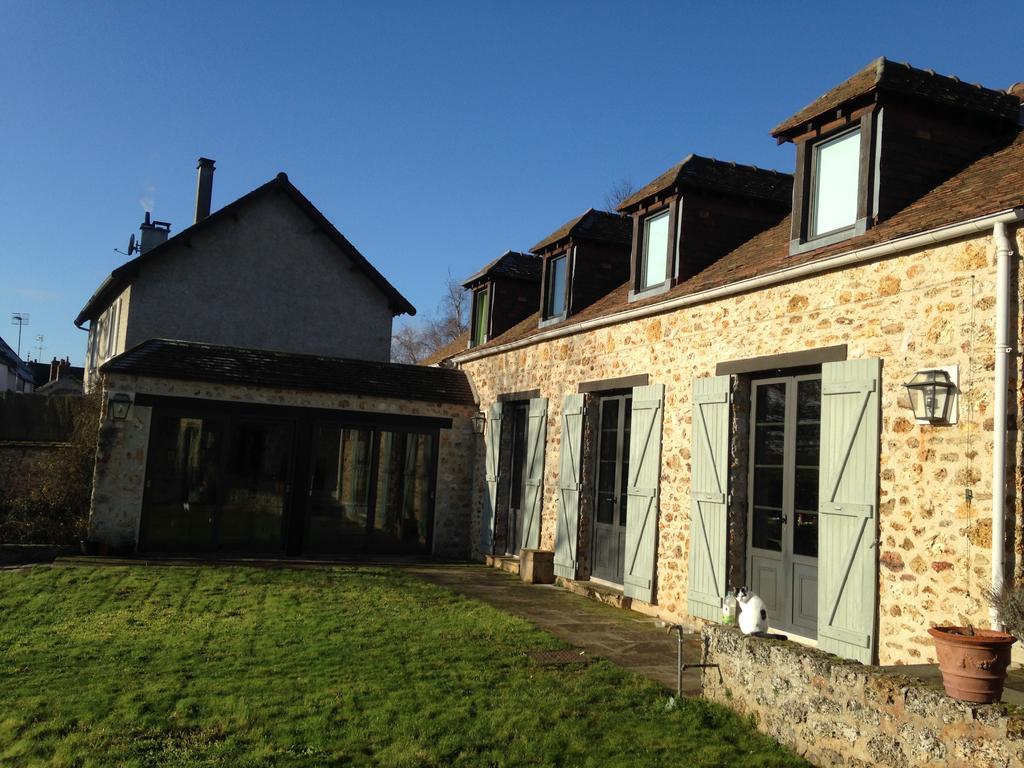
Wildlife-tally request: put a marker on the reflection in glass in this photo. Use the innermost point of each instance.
(768, 529)
(771, 403)
(805, 534)
(339, 488)
(769, 443)
(183, 483)
(768, 486)
(401, 515)
(255, 484)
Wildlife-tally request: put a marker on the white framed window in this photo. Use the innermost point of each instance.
(835, 182)
(554, 301)
(481, 312)
(654, 252)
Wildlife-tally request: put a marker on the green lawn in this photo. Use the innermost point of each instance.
(186, 666)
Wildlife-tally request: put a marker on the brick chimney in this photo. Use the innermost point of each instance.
(204, 188)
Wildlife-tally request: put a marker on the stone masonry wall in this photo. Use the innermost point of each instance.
(928, 308)
(836, 712)
(121, 456)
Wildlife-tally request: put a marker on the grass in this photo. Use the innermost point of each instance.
(219, 666)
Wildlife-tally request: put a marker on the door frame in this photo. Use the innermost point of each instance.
(622, 396)
(786, 557)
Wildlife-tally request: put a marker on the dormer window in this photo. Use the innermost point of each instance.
(835, 173)
(555, 287)
(654, 256)
(481, 315)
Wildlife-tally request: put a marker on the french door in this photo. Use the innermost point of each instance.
(517, 490)
(782, 523)
(609, 548)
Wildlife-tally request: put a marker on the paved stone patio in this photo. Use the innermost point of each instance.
(633, 641)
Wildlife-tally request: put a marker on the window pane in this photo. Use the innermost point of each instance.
(183, 479)
(768, 529)
(769, 442)
(518, 455)
(805, 535)
(556, 287)
(771, 403)
(483, 301)
(401, 516)
(339, 490)
(255, 485)
(836, 173)
(806, 492)
(655, 255)
(768, 486)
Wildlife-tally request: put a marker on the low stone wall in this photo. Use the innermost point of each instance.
(839, 712)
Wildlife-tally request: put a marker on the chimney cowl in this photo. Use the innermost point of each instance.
(152, 234)
(204, 187)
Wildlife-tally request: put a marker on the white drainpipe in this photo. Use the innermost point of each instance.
(1004, 250)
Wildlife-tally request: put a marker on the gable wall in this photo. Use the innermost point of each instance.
(924, 309)
(269, 280)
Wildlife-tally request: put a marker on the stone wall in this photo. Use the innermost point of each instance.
(928, 308)
(121, 457)
(836, 712)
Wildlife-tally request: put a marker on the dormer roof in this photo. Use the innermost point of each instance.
(713, 175)
(883, 75)
(594, 225)
(511, 264)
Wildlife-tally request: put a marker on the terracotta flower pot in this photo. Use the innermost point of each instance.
(973, 666)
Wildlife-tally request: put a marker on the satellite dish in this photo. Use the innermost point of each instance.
(131, 244)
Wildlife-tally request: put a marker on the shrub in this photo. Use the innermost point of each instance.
(1009, 602)
(54, 507)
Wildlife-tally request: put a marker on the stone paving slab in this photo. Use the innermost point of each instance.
(628, 639)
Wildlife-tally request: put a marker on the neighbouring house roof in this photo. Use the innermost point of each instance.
(991, 184)
(193, 361)
(41, 372)
(10, 359)
(459, 344)
(600, 226)
(706, 173)
(893, 77)
(511, 264)
(121, 277)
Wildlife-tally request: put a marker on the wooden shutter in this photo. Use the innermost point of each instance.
(709, 495)
(642, 491)
(569, 483)
(492, 448)
(536, 434)
(848, 508)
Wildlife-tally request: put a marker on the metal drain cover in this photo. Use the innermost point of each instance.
(560, 658)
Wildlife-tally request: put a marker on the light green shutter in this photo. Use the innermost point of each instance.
(569, 482)
(848, 508)
(536, 434)
(642, 491)
(492, 448)
(709, 495)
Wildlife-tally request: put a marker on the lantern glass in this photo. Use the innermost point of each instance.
(478, 420)
(931, 394)
(119, 406)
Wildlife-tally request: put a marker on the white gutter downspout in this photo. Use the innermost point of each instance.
(1004, 251)
(922, 240)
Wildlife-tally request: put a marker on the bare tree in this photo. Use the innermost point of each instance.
(413, 342)
(618, 192)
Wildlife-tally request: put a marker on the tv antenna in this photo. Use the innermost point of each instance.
(39, 346)
(19, 319)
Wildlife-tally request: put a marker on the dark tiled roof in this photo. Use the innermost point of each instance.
(600, 226)
(191, 361)
(718, 176)
(893, 77)
(41, 372)
(512, 264)
(991, 184)
(123, 275)
(459, 344)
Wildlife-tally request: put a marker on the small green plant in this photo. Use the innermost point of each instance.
(1009, 604)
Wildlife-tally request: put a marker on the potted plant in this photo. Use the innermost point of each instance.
(974, 661)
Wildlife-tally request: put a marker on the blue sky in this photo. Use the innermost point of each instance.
(435, 136)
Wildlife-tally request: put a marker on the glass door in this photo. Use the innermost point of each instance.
(339, 490)
(609, 547)
(782, 559)
(517, 489)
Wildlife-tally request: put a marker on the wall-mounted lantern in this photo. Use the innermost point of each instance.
(479, 420)
(932, 392)
(120, 404)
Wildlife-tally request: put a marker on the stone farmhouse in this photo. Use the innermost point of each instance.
(249, 404)
(708, 387)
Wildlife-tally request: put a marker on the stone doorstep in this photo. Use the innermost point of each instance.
(506, 563)
(598, 592)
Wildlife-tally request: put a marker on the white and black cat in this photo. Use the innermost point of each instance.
(753, 619)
